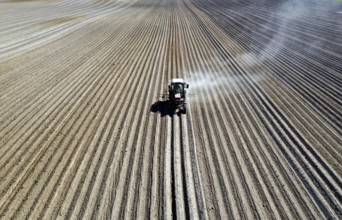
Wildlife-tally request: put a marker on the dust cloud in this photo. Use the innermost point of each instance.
(289, 12)
(204, 84)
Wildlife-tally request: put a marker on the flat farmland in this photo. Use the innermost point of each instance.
(85, 132)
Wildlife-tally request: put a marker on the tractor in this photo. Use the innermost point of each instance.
(177, 95)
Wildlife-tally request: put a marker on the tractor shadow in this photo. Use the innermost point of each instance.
(161, 107)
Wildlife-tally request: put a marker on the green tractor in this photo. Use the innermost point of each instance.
(177, 95)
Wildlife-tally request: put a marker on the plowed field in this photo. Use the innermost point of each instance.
(86, 134)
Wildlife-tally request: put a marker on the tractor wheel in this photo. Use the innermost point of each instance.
(172, 108)
(184, 109)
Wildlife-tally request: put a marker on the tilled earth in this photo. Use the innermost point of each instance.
(85, 132)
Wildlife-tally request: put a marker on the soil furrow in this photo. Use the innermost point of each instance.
(86, 130)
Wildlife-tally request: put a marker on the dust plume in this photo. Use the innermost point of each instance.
(203, 85)
(288, 14)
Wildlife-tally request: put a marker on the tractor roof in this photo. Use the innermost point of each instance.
(178, 80)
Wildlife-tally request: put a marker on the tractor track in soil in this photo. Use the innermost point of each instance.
(84, 132)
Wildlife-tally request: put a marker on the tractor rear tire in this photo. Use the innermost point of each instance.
(184, 109)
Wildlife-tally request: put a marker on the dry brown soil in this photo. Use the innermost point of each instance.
(86, 134)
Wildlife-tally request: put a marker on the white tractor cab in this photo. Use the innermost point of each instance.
(177, 95)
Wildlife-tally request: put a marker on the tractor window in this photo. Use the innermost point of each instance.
(178, 88)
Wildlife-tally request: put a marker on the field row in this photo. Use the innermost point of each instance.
(85, 132)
